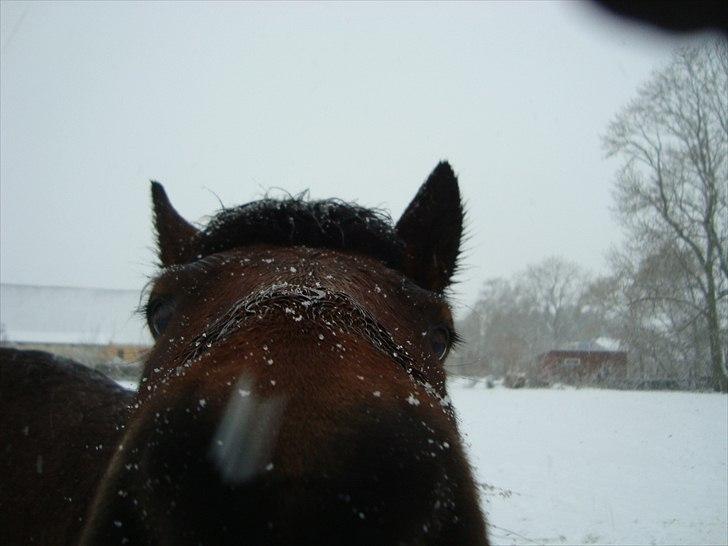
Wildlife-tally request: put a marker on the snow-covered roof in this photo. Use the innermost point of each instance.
(594, 345)
(53, 314)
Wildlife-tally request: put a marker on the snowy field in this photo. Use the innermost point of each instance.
(598, 466)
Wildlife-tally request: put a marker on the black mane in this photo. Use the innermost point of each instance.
(296, 221)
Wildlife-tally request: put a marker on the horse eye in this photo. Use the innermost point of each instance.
(440, 341)
(159, 313)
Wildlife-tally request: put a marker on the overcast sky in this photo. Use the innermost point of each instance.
(357, 101)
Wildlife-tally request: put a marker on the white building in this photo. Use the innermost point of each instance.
(74, 321)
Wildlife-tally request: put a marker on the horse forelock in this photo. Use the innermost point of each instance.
(296, 221)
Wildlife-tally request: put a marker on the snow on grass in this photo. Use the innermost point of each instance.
(598, 466)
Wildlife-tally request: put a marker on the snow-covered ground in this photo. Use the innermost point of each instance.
(598, 466)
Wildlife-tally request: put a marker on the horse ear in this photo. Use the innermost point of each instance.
(431, 229)
(174, 233)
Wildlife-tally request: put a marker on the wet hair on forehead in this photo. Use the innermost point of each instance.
(295, 221)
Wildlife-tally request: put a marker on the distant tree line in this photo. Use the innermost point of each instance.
(544, 307)
(665, 297)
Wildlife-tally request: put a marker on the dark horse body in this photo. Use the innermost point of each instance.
(295, 393)
(59, 425)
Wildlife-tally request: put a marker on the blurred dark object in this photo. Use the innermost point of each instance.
(515, 380)
(658, 385)
(676, 16)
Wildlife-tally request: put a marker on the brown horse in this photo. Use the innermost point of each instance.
(59, 425)
(295, 393)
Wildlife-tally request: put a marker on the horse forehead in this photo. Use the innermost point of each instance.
(328, 267)
(263, 273)
(250, 272)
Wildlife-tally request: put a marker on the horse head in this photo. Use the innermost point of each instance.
(295, 393)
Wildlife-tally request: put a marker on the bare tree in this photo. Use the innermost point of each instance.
(672, 188)
(655, 310)
(558, 288)
(500, 333)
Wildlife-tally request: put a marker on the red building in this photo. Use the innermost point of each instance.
(583, 363)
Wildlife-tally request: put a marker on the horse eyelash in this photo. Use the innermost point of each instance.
(146, 308)
(455, 338)
(142, 310)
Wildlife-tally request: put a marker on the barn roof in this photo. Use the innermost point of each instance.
(601, 344)
(53, 314)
